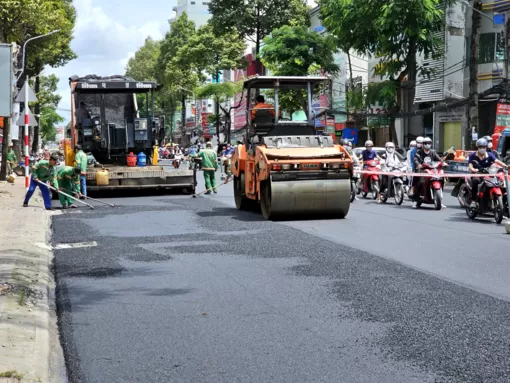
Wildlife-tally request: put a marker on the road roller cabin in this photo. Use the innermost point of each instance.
(284, 165)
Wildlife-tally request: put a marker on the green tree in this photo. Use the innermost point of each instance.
(254, 19)
(143, 65)
(297, 51)
(395, 31)
(48, 100)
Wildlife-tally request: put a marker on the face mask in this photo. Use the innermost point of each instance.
(390, 150)
(489, 145)
(427, 146)
(369, 148)
(482, 151)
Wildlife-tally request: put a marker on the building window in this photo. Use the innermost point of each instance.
(192, 3)
(487, 48)
(500, 47)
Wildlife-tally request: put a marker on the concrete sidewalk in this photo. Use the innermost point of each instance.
(29, 346)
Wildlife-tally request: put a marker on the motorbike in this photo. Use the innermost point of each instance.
(355, 182)
(177, 161)
(371, 182)
(430, 189)
(491, 199)
(395, 186)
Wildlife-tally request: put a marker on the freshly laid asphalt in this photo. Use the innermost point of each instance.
(182, 289)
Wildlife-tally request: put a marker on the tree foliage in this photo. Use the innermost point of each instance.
(395, 31)
(21, 20)
(142, 66)
(221, 91)
(255, 19)
(48, 100)
(297, 51)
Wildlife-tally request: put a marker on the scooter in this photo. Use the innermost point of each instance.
(490, 195)
(370, 182)
(355, 180)
(395, 185)
(430, 190)
(177, 161)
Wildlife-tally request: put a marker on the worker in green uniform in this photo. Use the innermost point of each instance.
(69, 182)
(11, 160)
(81, 161)
(43, 171)
(209, 166)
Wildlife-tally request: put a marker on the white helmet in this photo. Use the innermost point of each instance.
(412, 144)
(419, 142)
(369, 143)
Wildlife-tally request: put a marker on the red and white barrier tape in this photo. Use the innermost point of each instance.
(433, 175)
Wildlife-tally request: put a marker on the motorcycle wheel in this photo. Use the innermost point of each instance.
(498, 210)
(353, 191)
(375, 189)
(464, 196)
(437, 200)
(399, 194)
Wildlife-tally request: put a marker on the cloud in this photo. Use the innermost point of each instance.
(103, 44)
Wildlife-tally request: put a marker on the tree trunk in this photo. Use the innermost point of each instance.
(217, 111)
(3, 165)
(37, 111)
(473, 76)
(351, 85)
(183, 118)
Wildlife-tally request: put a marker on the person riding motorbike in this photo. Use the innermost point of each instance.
(490, 148)
(414, 180)
(392, 159)
(347, 145)
(481, 159)
(419, 160)
(369, 153)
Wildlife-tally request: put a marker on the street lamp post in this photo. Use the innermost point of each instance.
(26, 102)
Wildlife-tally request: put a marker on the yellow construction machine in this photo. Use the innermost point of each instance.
(284, 165)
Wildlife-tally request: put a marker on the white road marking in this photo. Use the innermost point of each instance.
(75, 245)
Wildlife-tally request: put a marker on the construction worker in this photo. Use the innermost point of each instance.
(11, 159)
(69, 182)
(81, 161)
(261, 104)
(42, 171)
(209, 166)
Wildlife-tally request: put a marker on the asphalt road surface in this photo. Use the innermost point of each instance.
(181, 289)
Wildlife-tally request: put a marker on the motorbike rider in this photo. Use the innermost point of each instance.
(392, 159)
(369, 154)
(414, 180)
(481, 159)
(490, 148)
(419, 160)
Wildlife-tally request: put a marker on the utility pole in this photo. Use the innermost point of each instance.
(473, 73)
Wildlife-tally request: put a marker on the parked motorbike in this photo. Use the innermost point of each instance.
(371, 182)
(491, 199)
(355, 182)
(430, 189)
(395, 185)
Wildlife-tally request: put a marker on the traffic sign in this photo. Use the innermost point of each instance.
(31, 119)
(31, 95)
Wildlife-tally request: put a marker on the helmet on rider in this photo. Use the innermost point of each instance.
(369, 145)
(345, 142)
(427, 143)
(419, 142)
(350, 144)
(390, 147)
(481, 145)
(412, 144)
(489, 141)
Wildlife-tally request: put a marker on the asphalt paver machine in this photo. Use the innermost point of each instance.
(283, 165)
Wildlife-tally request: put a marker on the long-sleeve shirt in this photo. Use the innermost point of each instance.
(81, 161)
(11, 156)
(66, 174)
(209, 159)
(420, 156)
(43, 171)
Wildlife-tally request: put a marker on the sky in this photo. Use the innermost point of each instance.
(107, 33)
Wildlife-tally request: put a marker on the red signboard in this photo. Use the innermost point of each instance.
(205, 120)
(502, 117)
(339, 126)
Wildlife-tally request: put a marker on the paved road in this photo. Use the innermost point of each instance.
(191, 290)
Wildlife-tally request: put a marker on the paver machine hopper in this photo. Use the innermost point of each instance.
(283, 164)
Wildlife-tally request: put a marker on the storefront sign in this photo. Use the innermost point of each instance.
(502, 117)
(350, 134)
(448, 117)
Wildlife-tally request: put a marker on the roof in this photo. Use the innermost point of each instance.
(111, 84)
(286, 82)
